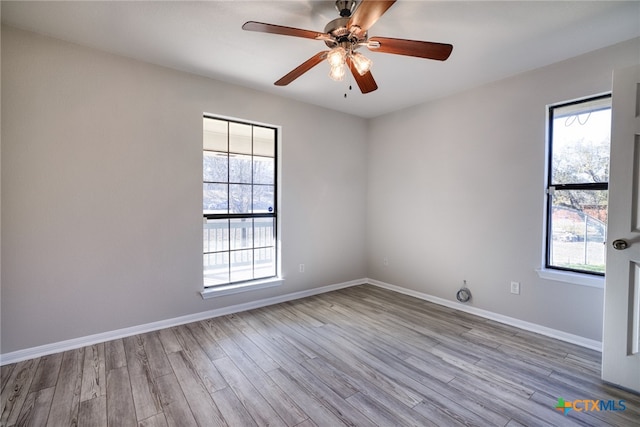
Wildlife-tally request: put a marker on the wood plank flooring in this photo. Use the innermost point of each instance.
(361, 356)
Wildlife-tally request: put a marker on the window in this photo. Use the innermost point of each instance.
(238, 202)
(578, 175)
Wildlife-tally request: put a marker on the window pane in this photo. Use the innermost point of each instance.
(215, 134)
(263, 232)
(241, 233)
(216, 269)
(578, 230)
(239, 138)
(263, 170)
(264, 262)
(241, 265)
(263, 198)
(215, 167)
(239, 169)
(216, 235)
(264, 141)
(239, 198)
(214, 198)
(581, 145)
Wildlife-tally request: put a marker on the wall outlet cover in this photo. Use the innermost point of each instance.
(515, 288)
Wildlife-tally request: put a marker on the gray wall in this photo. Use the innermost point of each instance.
(101, 191)
(456, 192)
(101, 169)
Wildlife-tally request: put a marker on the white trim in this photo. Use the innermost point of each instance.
(44, 350)
(527, 326)
(254, 285)
(571, 277)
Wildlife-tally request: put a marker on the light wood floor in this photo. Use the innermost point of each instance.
(361, 356)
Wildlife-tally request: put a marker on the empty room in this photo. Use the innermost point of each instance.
(320, 213)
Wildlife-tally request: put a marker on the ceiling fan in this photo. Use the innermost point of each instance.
(345, 35)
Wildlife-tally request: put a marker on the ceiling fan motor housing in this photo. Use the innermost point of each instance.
(343, 35)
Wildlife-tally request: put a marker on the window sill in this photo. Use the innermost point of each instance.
(219, 291)
(571, 277)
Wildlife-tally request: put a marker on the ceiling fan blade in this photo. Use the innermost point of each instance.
(302, 68)
(366, 83)
(368, 12)
(420, 49)
(279, 29)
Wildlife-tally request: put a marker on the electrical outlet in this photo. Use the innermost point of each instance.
(301, 268)
(515, 288)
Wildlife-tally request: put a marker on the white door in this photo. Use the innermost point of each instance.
(621, 335)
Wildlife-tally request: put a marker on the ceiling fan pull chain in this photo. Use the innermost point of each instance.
(349, 77)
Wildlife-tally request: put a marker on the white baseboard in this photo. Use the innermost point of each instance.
(43, 350)
(527, 326)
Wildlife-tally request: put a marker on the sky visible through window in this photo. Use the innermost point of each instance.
(593, 129)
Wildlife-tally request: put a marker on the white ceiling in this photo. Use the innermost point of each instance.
(491, 40)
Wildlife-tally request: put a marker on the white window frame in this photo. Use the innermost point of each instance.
(554, 274)
(256, 284)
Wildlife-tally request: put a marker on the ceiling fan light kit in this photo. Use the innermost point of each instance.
(345, 35)
(337, 59)
(337, 72)
(337, 56)
(361, 62)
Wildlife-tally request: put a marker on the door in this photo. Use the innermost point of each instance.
(621, 334)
